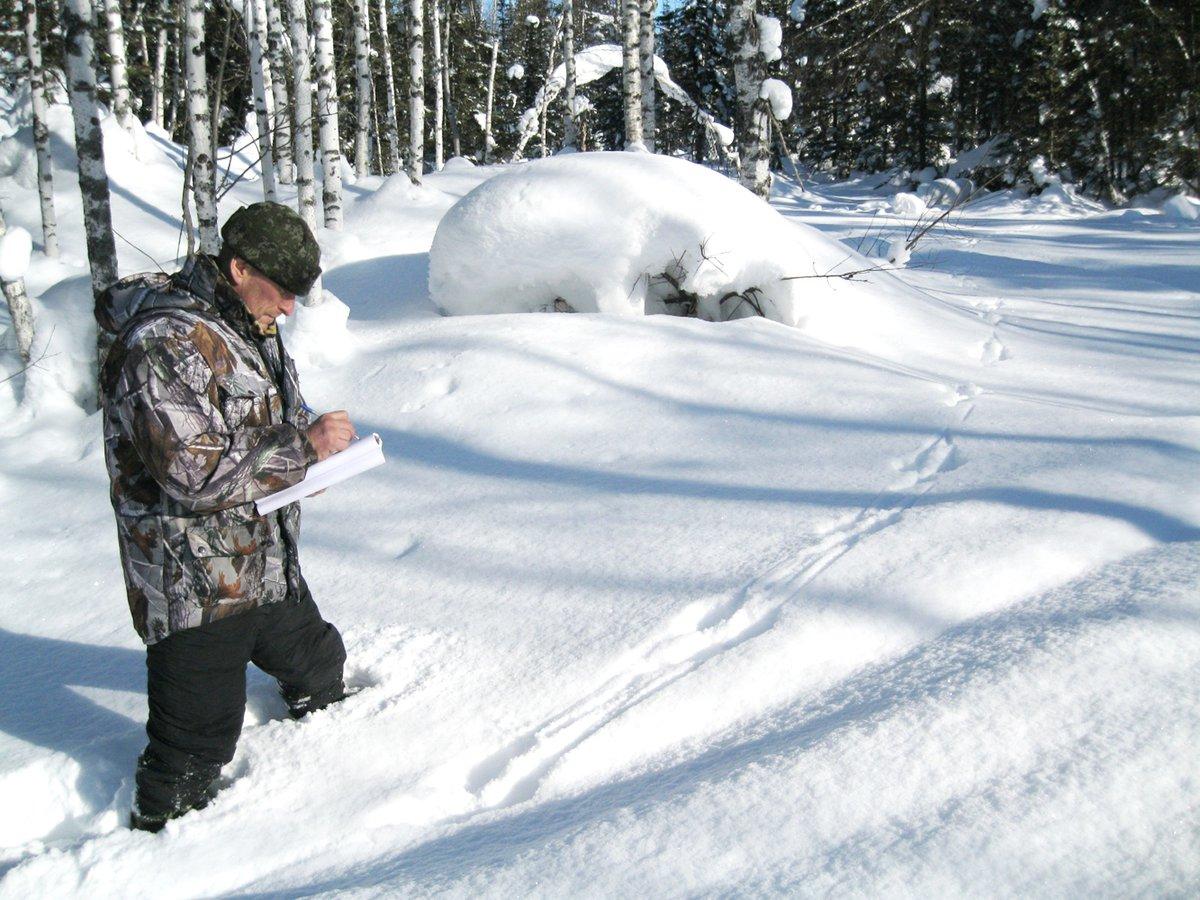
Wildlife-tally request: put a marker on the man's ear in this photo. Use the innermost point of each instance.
(239, 270)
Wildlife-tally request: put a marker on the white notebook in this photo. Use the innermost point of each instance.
(365, 453)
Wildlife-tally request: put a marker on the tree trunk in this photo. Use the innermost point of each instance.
(393, 118)
(178, 90)
(89, 148)
(327, 115)
(415, 162)
(451, 114)
(260, 77)
(199, 128)
(278, 56)
(435, 17)
(570, 131)
(41, 134)
(117, 66)
(306, 200)
(158, 77)
(19, 309)
(219, 93)
(488, 143)
(631, 80)
(754, 113)
(362, 96)
(646, 61)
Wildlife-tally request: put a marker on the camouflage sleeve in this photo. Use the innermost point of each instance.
(167, 399)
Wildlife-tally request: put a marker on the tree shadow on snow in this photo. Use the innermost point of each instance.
(386, 287)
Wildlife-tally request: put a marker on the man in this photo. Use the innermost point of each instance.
(203, 416)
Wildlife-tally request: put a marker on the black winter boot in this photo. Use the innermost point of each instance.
(163, 794)
(300, 704)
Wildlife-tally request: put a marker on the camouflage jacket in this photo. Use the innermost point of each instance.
(202, 416)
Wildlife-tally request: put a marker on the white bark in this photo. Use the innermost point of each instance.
(280, 68)
(631, 73)
(362, 96)
(158, 76)
(646, 64)
(393, 118)
(41, 133)
(451, 115)
(200, 129)
(754, 112)
(19, 309)
(89, 146)
(491, 94)
(415, 162)
(327, 115)
(439, 72)
(570, 129)
(117, 66)
(260, 76)
(306, 201)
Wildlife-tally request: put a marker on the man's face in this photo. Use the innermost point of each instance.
(266, 300)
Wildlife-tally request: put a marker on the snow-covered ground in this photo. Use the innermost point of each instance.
(657, 606)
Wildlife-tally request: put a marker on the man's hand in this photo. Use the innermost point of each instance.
(331, 433)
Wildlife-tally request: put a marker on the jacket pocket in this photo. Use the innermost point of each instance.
(226, 563)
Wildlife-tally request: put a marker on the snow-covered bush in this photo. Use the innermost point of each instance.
(628, 234)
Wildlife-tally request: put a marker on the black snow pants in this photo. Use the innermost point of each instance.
(196, 685)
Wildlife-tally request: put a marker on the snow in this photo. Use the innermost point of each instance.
(647, 605)
(1182, 207)
(780, 95)
(516, 72)
(16, 246)
(798, 11)
(770, 37)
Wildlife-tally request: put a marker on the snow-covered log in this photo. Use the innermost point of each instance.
(362, 87)
(260, 78)
(646, 67)
(41, 133)
(416, 90)
(327, 115)
(89, 145)
(199, 128)
(631, 73)
(277, 53)
(393, 117)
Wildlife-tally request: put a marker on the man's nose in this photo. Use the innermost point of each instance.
(288, 306)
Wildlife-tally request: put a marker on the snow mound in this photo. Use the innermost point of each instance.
(457, 162)
(630, 234)
(908, 205)
(1183, 208)
(317, 336)
(16, 247)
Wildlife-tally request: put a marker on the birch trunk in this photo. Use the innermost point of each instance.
(199, 128)
(754, 113)
(451, 115)
(416, 91)
(570, 131)
(260, 76)
(439, 68)
(20, 312)
(646, 60)
(631, 77)
(41, 134)
(327, 115)
(306, 200)
(178, 92)
(362, 67)
(89, 148)
(278, 58)
(158, 76)
(117, 66)
(488, 143)
(393, 118)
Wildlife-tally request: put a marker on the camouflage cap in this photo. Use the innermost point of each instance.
(276, 241)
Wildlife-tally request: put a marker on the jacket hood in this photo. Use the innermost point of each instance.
(196, 288)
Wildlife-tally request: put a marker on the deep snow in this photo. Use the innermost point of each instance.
(660, 606)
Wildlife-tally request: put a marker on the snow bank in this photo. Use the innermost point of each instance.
(631, 234)
(1182, 207)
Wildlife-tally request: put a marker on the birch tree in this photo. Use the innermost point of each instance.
(754, 112)
(89, 145)
(570, 130)
(278, 56)
(451, 114)
(488, 143)
(254, 16)
(416, 90)
(631, 73)
(158, 76)
(362, 96)
(41, 133)
(439, 72)
(327, 115)
(20, 312)
(393, 119)
(117, 66)
(199, 128)
(646, 63)
(306, 199)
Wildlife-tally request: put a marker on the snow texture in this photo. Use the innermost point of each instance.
(516, 72)
(1182, 207)
(770, 37)
(798, 11)
(16, 248)
(780, 96)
